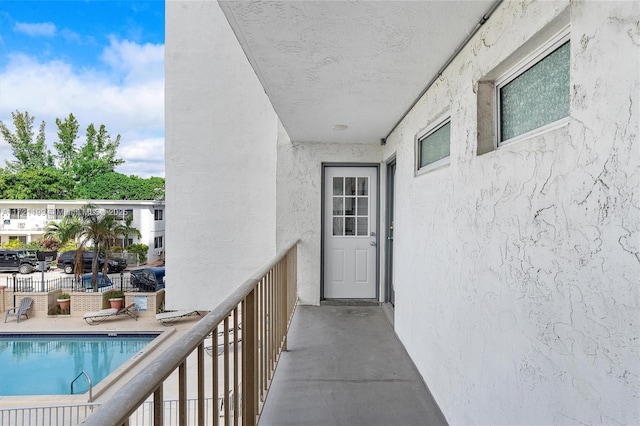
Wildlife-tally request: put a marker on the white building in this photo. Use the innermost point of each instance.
(26, 220)
(498, 214)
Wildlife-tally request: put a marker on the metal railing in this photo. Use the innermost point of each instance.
(37, 285)
(65, 415)
(56, 415)
(247, 333)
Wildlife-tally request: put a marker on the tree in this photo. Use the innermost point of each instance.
(32, 184)
(66, 148)
(126, 229)
(97, 156)
(29, 153)
(68, 229)
(117, 186)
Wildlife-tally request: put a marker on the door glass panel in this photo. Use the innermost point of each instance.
(349, 226)
(350, 206)
(338, 183)
(338, 207)
(363, 226)
(350, 209)
(338, 228)
(363, 186)
(363, 206)
(350, 186)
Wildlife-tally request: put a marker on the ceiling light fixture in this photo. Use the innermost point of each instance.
(339, 127)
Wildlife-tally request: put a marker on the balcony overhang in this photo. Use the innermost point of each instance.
(330, 64)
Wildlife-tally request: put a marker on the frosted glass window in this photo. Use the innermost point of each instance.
(435, 145)
(537, 97)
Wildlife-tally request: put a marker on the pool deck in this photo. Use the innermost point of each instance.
(78, 325)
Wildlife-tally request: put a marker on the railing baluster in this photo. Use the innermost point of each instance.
(182, 393)
(225, 371)
(201, 378)
(158, 406)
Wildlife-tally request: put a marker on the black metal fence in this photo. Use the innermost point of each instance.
(36, 284)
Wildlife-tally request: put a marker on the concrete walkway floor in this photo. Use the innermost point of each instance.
(346, 366)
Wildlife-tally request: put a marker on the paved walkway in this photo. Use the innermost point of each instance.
(345, 366)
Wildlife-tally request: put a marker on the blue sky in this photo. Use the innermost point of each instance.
(103, 61)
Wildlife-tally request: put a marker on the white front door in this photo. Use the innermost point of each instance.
(350, 226)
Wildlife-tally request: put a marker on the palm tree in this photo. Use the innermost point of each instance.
(64, 231)
(126, 230)
(98, 227)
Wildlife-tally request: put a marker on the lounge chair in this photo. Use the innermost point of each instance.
(98, 316)
(18, 312)
(168, 318)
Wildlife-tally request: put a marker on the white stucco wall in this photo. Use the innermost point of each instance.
(220, 154)
(299, 201)
(517, 272)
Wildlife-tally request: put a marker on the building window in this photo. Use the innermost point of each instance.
(433, 146)
(534, 95)
(21, 238)
(17, 213)
(157, 214)
(157, 242)
(59, 214)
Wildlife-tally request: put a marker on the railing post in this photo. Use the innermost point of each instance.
(158, 406)
(182, 393)
(201, 384)
(249, 355)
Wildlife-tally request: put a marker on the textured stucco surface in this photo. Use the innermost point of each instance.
(220, 154)
(524, 262)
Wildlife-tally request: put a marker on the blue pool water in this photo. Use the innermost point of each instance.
(45, 364)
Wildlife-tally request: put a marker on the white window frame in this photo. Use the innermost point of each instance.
(422, 135)
(520, 68)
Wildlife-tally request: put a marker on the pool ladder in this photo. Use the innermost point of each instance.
(84, 373)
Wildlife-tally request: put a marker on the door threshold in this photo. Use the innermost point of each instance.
(349, 302)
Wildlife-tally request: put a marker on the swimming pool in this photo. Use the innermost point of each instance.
(47, 363)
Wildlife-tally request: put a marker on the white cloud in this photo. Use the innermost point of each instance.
(127, 97)
(46, 29)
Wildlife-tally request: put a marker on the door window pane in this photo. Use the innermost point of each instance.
(350, 206)
(338, 207)
(363, 186)
(338, 184)
(349, 226)
(363, 226)
(350, 186)
(363, 206)
(338, 226)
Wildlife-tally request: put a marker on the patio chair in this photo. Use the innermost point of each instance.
(96, 317)
(18, 312)
(168, 318)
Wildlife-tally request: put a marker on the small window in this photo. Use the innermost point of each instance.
(157, 242)
(535, 95)
(158, 214)
(59, 214)
(434, 146)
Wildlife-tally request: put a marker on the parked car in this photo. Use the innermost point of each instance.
(17, 261)
(103, 281)
(66, 261)
(148, 279)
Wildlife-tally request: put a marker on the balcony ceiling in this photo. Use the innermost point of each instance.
(356, 63)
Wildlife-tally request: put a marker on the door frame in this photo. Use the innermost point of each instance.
(390, 190)
(322, 221)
